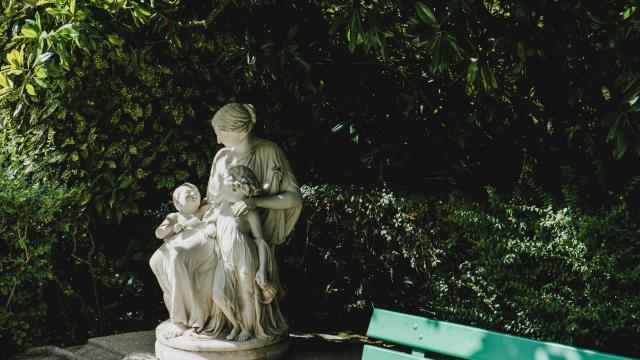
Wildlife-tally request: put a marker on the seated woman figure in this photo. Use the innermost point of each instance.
(185, 269)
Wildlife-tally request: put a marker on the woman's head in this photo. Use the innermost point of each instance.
(242, 180)
(232, 123)
(234, 118)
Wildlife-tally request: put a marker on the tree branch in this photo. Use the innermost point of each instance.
(209, 19)
(192, 23)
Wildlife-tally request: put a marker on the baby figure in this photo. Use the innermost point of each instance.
(186, 199)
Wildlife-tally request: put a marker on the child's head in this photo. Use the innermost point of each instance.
(242, 180)
(186, 198)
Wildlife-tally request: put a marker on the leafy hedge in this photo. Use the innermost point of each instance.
(518, 264)
(111, 99)
(40, 234)
(523, 265)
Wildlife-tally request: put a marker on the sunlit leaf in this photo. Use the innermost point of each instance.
(425, 14)
(43, 57)
(115, 39)
(30, 90)
(5, 82)
(41, 73)
(627, 14)
(28, 32)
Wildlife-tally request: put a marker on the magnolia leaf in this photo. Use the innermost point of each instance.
(472, 75)
(488, 78)
(68, 30)
(56, 12)
(425, 14)
(115, 39)
(627, 14)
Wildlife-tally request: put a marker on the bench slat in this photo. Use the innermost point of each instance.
(375, 353)
(469, 343)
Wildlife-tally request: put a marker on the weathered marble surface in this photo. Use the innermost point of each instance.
(217, 267)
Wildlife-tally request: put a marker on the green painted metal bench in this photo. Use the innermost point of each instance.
(425, 336)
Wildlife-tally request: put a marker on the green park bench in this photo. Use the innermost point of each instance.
(425, 336)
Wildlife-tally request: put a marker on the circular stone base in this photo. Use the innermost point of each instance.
(192, 348)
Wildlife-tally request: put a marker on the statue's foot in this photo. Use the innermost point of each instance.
(234, 333)
(244, 336)
(173, 330)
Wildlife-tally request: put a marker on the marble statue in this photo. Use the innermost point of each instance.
(217, 267)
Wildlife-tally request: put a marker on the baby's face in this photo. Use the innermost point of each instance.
(189, 199)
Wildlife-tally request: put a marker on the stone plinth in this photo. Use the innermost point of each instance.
(189, 347)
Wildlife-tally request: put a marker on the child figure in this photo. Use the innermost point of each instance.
(240, 285)
(186, 199)
(188, 306)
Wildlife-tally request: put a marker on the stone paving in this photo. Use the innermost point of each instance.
(140, 346)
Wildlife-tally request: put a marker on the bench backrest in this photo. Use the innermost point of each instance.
(461, 341)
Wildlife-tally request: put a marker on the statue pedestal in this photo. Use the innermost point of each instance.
(187, 347)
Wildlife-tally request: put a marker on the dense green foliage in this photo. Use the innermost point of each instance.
(520, 265)
(111, 98)
(39, 227)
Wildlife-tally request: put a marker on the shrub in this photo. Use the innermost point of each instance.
(41, 226)
(538, 270)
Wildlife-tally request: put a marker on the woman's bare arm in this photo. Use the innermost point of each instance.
(286, 200)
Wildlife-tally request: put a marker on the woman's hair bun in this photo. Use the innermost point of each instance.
(252, 112)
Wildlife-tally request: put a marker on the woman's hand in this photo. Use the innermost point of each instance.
(242, 207)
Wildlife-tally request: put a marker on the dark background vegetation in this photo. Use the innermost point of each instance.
(473, 161)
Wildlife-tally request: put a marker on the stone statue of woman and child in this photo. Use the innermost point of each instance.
(216, 268)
